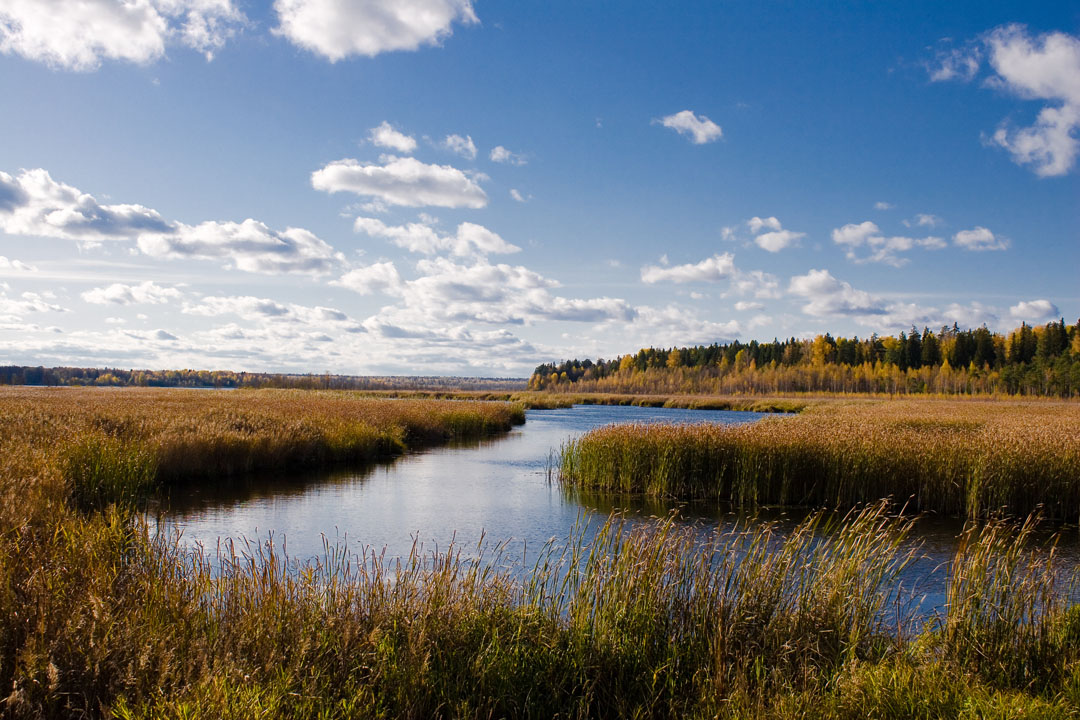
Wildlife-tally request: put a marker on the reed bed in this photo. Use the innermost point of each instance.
(106, 620)
(963, 458)
(97, 446)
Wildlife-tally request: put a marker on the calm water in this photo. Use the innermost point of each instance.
(498, 489)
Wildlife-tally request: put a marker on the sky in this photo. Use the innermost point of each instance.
(470, 187)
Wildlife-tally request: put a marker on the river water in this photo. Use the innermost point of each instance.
(502, 490)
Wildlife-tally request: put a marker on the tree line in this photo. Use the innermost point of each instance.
(1039, 360)
(117, 377)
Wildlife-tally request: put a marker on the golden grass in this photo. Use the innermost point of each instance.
(95, 446)
(949, 456)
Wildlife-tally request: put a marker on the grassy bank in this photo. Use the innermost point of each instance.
(101, 620)
(95, 446)
(953, 457)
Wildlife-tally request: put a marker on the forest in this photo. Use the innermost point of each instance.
(1030, 360)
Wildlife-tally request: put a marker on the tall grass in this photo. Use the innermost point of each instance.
(104, 619)
(952, 457)
(109, 445)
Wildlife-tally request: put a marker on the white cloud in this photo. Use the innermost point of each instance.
(759, 284)
(1046, 67)
(463, 146)
(249, 245)
(470, 238)
(386, 136)
(1035, 310)
(337, 29)
(955, 64)
(884, 249)
(1042, 67)
(882, 205)
(36, 205)
(747, 306)
(928, 220)
(266, 311)
(756, 224)
(516, 194)
(79, 34)
(971, 315)
(500, 154)
(826, 296)
(776, 241)
(713, 269)
(855, 235)
(402, 181)
(17, 265)
(672, 325)
(699, 128)
(773, 241)
(146, 292)
(28, 302)
(378, 277)
(979, 238)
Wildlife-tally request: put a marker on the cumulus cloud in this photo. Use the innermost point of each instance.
(500, 154)
(826, 296)
(28, 302)
(884, 249)
(757, 224)
(516, 194)
(882, 205)
(979, 238)
(1034, 67)
(971, 315)
(713, 269)
(146, 292)
(1034, 311)
(470, 239)
(386, 136)
(337, 29)
(773, 241)
(756, 283)
(35, 204)
(463, 146)
(747, 306)
(402, 181)
(265, 310)
(698, 128)
(446, 291)
(39, 206)
(79, 34)
(249, 245)
(378, 277)
(17, 265)
(927, 220)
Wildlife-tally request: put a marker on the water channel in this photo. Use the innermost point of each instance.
(502, 489)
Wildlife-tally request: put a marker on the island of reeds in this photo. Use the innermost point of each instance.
(952, 457)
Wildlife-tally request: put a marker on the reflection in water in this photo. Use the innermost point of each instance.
(499, 489)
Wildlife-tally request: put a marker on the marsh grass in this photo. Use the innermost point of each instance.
(116, 445)
(974, 459)
(106, 619)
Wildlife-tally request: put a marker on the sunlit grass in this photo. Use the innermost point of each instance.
(953, 457)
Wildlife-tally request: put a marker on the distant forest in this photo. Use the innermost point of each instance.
(1027, 361)
(27, 375)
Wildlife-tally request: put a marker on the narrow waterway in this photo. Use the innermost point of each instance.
(501, 490)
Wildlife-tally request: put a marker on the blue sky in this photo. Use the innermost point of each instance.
(455, 187)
